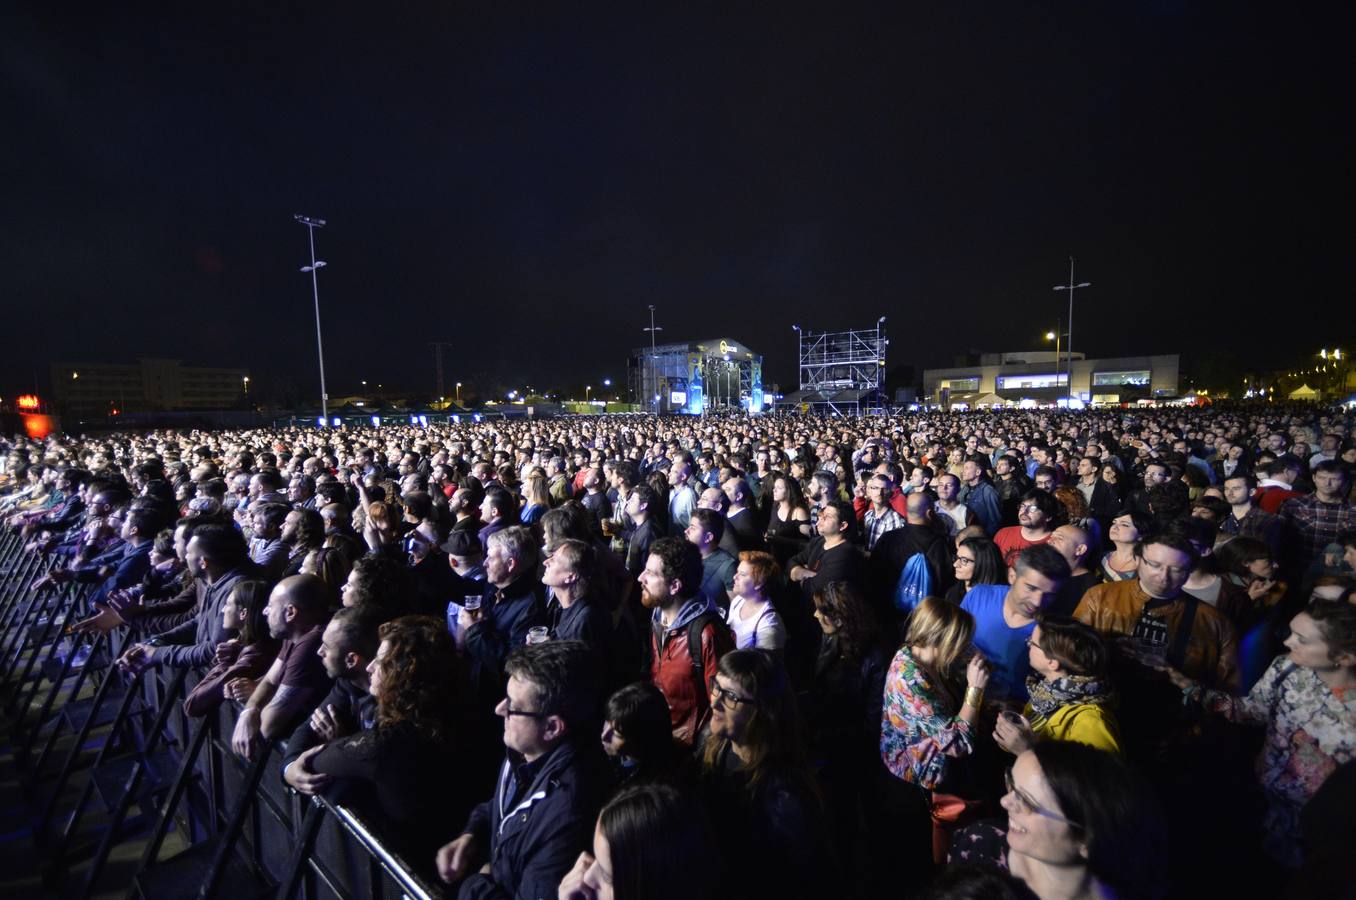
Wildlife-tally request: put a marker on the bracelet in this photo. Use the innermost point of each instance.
(974, 697)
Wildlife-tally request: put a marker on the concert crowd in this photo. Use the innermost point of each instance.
(980, 654)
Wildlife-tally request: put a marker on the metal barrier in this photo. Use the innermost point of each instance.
(133, 745)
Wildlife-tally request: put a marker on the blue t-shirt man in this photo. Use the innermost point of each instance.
(1001, 644)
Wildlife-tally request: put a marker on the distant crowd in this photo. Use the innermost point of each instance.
(1002, 654)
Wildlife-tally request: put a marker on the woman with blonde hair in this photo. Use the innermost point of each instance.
(928, 722)
(536, 498)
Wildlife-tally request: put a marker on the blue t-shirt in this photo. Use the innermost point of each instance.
(1002, 645)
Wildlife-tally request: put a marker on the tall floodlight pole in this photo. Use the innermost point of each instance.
(654, 374)
(315, 266)
(1068, 348)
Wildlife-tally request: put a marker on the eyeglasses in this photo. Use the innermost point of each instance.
(727, 697)
(963, 561)
(1025, 506)
(510, 712)
(1031, 642)
(1026, 804)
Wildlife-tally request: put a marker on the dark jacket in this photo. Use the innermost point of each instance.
(194, 643)
(504, 628)
(748, 535)
(536, 837)
(353, 707)
(841, 563)
(396, 778)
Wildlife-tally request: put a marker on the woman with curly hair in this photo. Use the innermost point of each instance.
(396, 774)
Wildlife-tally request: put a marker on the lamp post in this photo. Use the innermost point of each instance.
(588, 389)
(459, 393)
(1055, 336)
(654, 376)
(1070, 287)
(315, 266)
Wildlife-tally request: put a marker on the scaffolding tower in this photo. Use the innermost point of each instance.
(842, 371)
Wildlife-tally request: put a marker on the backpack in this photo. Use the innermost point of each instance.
(694, 643)
(915, 583)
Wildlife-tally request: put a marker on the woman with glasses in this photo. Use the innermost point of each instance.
(1120, 563)
(978, 561)
(760, 792)
(1080, 825)
(1070, 696)
(928, 721)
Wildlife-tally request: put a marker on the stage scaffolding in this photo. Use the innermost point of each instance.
(841, 371)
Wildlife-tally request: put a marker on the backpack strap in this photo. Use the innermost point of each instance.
(694, 644)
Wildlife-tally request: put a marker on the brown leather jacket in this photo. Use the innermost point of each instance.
(1212, 650)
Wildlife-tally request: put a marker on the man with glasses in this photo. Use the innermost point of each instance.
(1152, 622)
(553, 780)
(1036, 522)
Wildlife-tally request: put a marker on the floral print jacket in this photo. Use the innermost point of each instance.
(1311, 730)
(919, 730)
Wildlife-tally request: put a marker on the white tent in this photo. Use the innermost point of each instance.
(1304, 392)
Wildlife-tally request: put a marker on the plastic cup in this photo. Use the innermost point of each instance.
(471, 602)
(539, 635)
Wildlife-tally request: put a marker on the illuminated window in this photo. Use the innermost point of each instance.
(1138, 378)
(1014, 382)
(959, 384)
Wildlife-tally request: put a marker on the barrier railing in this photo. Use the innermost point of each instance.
(133, 746)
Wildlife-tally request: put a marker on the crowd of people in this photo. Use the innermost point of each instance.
(1008, 653)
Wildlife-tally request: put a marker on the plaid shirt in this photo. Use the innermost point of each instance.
(1256, 524)
(877, 525)
(1313, 524)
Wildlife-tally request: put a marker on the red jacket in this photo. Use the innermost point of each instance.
(673, 673)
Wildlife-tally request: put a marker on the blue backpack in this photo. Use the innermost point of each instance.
(915, 583)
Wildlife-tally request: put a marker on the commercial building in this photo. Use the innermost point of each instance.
(695, 376)
(1039, 378)
(97, 389)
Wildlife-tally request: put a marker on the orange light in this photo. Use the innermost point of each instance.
(28, 401)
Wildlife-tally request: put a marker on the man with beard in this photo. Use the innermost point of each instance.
(347, 646)
(687, 635)
(1036, 518)
(303, 530)
(297, 610)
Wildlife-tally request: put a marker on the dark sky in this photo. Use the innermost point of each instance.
(526, 182)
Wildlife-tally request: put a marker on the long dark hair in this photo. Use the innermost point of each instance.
(989, 566)
(251, 597)
(1117, 817)
(775, 736)
(655, 834)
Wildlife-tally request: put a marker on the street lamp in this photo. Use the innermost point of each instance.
(315, 266)
(587, 389)
(1070, 287)
(654, 376)
(459, 393)
(246, 380)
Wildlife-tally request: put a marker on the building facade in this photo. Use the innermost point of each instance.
(97, 389)
(1011, 378)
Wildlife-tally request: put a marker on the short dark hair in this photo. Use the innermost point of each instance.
(563, 676)
(221, 544)
(1328, 466)
(1044, 559)
(357, 628)
(1046, 502)
(382, 581)
(710, 521)
(679, 561)
(1076, 646)
(501, 501)
(640, 714)
(1170, 538)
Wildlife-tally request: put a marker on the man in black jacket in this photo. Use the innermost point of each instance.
(347, 648)
(554, 779)
(829, 556)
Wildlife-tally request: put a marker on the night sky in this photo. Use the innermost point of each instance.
(525, 182)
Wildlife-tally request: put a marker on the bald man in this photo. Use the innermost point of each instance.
(297, 611)
(1075, 545)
